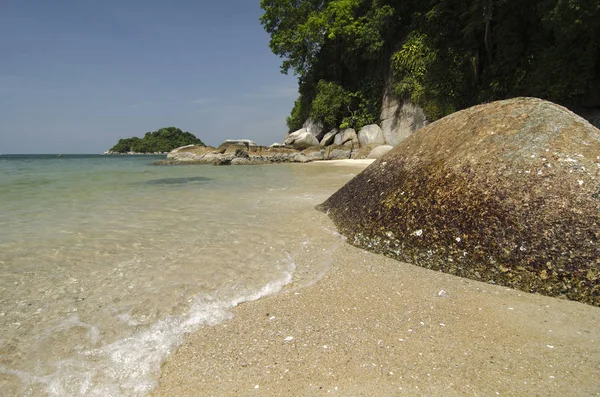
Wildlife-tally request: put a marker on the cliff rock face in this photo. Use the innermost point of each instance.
(399, 119)
(507, 193)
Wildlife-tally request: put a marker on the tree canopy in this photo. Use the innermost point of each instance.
(443, 55)
(159, 141)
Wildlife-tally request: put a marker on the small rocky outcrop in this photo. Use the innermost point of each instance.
(507, 193)
(191, 154)
(233, 154)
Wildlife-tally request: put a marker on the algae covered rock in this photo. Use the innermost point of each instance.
(507, 193)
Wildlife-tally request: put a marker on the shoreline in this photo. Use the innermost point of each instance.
(364, 163)
(376, 326)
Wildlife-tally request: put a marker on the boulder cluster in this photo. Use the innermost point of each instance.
(310, 143)
(506, 192)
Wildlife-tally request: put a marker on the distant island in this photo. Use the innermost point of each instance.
(162, 140)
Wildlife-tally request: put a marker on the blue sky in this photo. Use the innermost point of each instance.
(77, 75)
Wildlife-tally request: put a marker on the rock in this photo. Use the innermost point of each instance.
(347, 137)
(370, 134)
(209, 158)
(243, 142)
(182, 148)
(232, 154)
(301, 140)
(336, 152)
(192, 154)
(224, 159)
(314, 127)
(236, 144)
(300, 158)
(506, 192)
(400, 119)
(290, 138)
(245, 161)
(329, 138)
(233, 148)
(266, 155)
(379, 151)
(241, 161)
(314, 153)
(364, 151)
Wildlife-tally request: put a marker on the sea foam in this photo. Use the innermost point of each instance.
(130, 366)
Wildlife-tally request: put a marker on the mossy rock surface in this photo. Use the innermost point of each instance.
(507, 193)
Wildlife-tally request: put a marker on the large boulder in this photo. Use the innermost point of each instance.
(335, 152)
(346, 137)
(370, 134)
(305, 140)
(507, 193)
(301, 139)
(291, 137)
(314, 127)
(314, 153)
(329, 137)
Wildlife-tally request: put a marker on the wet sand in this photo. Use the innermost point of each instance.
(377, 327)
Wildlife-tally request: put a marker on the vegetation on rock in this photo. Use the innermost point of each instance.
(159, 141)
(445, 55)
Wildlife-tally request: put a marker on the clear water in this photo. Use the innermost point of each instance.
(106, 262)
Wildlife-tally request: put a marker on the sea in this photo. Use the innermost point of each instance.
(108, 262)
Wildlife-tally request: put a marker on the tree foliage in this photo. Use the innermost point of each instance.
(444, 55)
(159, 141)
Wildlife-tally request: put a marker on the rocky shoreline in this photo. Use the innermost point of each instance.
(111, 153)
(303, 146)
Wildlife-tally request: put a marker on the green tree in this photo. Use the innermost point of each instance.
(340, 42)
(445, 55)
(162, 140)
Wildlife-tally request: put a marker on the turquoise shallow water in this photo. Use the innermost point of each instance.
(107, 262)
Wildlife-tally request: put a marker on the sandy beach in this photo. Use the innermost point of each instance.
(373, 326)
